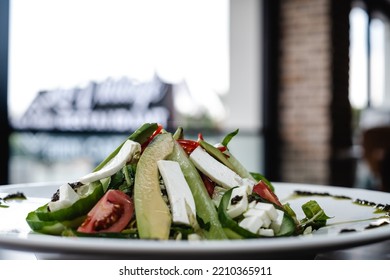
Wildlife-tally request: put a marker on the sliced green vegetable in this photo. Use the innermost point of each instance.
(79, 208)
(153, 215)
(141, 135)
(179, 133)
(119, 235)
(228, 222)
(291, 213)
(205, 208)
(216, 153)
(288, 226)
(237, 166)
(51, 227)
(232, 234)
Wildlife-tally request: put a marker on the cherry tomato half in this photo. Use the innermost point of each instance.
(112, 213)
(265, 192)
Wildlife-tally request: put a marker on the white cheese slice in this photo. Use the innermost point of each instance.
(217, 171)
(249, 183)
(252, 204)
(277, 223)
(179, 193)
(252, 223)
(194, 237)
(128, 151)
(269, 209)
(261, 214)
(240, 202)
(67, 196)
(266, 232)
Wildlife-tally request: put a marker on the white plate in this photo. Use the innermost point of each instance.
(15, 233)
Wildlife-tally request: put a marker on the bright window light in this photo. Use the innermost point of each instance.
(69, 43)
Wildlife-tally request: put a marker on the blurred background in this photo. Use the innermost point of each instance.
(307, 82)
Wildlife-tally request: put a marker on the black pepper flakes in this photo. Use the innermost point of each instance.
(236, 199)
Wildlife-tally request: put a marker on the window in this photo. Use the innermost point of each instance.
(207, 52)
(358, 58)
(369, 57)
(60, 45)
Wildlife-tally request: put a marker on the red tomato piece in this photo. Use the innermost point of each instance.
(265, 192)
(112, 213)
(157, 131)
(209, 184)
(188, 145)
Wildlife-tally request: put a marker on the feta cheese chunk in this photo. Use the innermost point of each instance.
(277, 223)
(269, 209)
(251, 223)
(260, 214)
(266, 232)
(67, 196)
(217, 171)
(249, 183)
(238, 202)
(194, 237)
(252, 204)
(179, 193)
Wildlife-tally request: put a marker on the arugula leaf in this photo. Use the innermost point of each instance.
(123, 180)
(315, 215)
(229, 137)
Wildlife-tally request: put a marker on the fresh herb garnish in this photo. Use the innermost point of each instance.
(17, 195)
(229, 137)
(315, 215)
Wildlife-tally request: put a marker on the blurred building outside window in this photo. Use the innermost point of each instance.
(61, 51)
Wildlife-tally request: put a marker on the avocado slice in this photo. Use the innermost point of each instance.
(152, 213)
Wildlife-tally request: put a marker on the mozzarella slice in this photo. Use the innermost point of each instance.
(217, 171)
(67, 196)
(179, 193)
(128, 151)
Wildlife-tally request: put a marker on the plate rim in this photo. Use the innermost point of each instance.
(36, 242)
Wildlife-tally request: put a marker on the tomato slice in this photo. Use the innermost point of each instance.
(112, 213)
(265, 192)
(208, 183)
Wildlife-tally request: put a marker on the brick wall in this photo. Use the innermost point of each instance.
(307, 90)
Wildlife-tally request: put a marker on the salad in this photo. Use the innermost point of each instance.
(162, 185)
